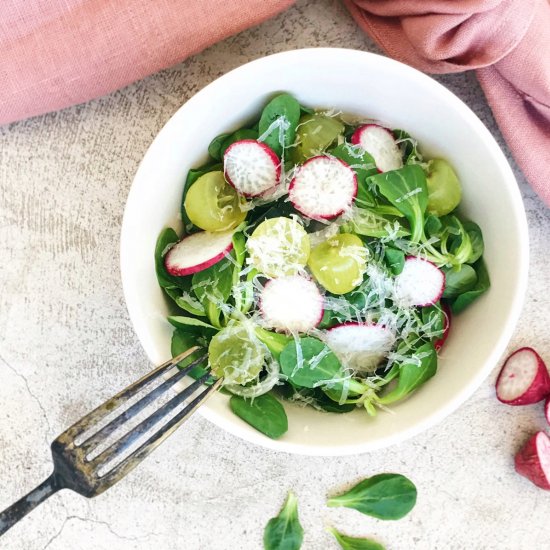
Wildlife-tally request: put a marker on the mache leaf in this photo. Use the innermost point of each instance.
(462, 301)
(354, 543)
(278, 122)
(264, 413)
(383, 496)
(413, 372)
(284, 532)
(406, 189)
(307, 362)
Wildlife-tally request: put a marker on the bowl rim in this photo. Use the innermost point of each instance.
(510, 322)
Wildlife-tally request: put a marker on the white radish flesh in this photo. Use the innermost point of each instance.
(360, 346)
(533, 460)
(251, 167)
(323, 188)
(197, 252)
(523, 379)
(292, 304)
(380, 143)
(421, 283)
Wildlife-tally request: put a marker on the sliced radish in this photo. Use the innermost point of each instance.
(438, 344)
(323, 188)
(380, 143)
(421, 283)
(533, 460)
(523, 379)
(197, 252)
(547, 409)
(291, 303)
(251, 167)
(360, 346)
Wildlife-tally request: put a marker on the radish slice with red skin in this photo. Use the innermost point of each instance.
(360, 346)
(323, 188)
(291, 303)
(197, 252)
(380, 143)
(523, 379)
(421, 283)
(533, 460)
(547, 409)
(438, 344)
(251, 167)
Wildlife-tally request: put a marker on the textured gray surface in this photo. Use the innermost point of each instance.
(67, 344)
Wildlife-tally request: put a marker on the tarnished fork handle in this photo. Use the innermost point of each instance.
(75, 469)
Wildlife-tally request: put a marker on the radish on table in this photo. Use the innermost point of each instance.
(313, 266)
(523, 379)
(533, 460)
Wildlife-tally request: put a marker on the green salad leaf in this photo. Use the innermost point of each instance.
(189, 323)
(362, 163)
(279, 121)
(476, 241)
(308, 362)
(408, 146)
(395, 259)
(354, 543)
(406, 189)
(462, 301)
(284, 532)
(264, 413)
(167, 238)
(458, 281)
(182, 341)
(212, 287)
(383, 496)
(413, 372)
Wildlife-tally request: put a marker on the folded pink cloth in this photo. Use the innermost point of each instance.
(507, 41)
(55, 53)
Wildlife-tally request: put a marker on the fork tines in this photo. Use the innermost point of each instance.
(99, 472)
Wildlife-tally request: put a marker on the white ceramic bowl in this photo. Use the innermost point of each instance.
(371, 86)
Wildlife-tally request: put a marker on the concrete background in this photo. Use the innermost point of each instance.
(67, 345)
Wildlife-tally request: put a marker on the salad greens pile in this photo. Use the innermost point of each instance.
(358, 336)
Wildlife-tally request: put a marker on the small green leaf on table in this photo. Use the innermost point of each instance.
(284, 531)
(383, 496)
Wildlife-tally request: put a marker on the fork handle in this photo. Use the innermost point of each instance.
(11, 515)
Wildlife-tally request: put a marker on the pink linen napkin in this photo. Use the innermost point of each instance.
(55, 53)
(507, 41)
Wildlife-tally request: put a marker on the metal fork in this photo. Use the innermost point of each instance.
(75, 469)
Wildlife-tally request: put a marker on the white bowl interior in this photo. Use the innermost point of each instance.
(370, 86)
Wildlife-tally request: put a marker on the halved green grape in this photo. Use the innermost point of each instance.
(444, 190)
(339, 263)
(213, 205)
(315, 134)
(236, 354)
(279, 246)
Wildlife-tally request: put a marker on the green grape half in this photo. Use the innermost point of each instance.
(279, 246)
(339, 263)
(236, 354)
(315, 134)
(213, 205)
(444, 190)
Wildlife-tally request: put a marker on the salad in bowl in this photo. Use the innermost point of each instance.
(321, 261)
